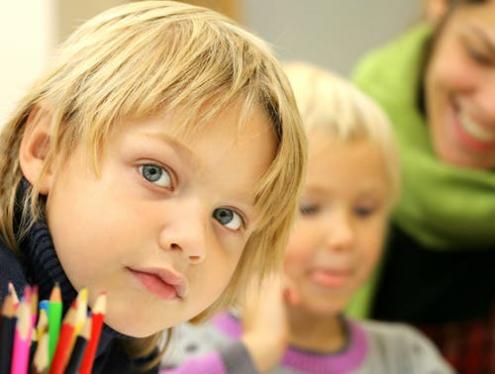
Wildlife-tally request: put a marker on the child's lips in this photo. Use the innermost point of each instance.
(330, 278)
(164, 283)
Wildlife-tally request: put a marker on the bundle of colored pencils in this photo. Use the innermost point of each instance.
(35, 339)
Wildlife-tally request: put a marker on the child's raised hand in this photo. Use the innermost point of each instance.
(265, 325)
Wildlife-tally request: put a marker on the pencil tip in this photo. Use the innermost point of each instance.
(101, 303)
(56, 294)
(83, 295)
(13, 293)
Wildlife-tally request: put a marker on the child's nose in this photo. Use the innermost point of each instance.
(186, 231)
(340, 234)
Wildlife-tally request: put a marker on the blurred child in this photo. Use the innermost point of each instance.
(158, 161)
(295, 323)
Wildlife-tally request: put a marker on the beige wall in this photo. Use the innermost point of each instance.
(331, 33)
(27, 38)
(71, 13)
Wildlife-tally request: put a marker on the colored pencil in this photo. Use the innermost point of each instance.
(40, 362)
(42, 326)
(82, 311)
(97, 324)
(44, 305)
(34, 304)
(14, 294)
(7, 331)
(22, 339)
(41, 329)
(27, 334)
(62, 352)
(34, 346)
(79, 347)
(54, 319)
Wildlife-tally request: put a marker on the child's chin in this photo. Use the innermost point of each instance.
(320, 307)
(136, 328)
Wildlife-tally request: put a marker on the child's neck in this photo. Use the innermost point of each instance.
(316, 332)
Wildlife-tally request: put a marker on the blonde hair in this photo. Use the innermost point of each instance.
(329, 102)
(142, 59)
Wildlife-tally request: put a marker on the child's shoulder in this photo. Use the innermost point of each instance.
(11, 270)
(397, 347)
(394, 333)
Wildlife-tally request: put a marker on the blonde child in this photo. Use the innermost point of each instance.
(158, 161)
(296, 324)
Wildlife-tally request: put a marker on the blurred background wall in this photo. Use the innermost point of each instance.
(330, 33)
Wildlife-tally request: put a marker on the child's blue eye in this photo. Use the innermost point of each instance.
(309, 209)
(228, 218)
(156, 175)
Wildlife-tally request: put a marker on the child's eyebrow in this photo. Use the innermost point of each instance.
(180, 147)
(316, 190)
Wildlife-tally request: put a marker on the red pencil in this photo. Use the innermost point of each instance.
(97, 324)
(62, 352)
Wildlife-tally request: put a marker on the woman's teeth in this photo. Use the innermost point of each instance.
(474, 129)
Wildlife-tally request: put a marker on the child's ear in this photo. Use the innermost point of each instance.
(34, 148)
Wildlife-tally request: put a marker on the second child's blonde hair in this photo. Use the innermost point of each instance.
(147, 58)
(329, 102)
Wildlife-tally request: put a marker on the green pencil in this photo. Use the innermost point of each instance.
(54, 320)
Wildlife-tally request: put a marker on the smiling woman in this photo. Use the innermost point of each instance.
(437, 84)
(459, 89)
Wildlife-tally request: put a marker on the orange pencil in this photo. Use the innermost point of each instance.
(97, 324)
(63, 349)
